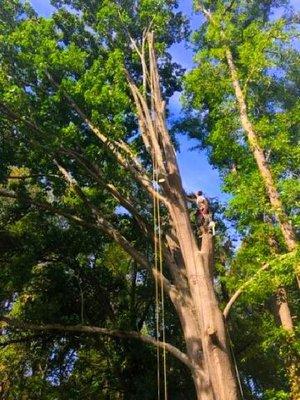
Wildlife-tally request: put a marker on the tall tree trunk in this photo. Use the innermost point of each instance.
(192, 337)
(205, 336)
(283, 317)
(259, 156)
(190, 327)
(282, 310)
(215, 347)
(216, 359)
(213, 372)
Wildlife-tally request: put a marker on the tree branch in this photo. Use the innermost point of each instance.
(94, 172)
(103, 331)
(111, 231)
(133, 166)
(105, 226)
(147, 124)
(237, 294)
(19, 340)
(48, 207)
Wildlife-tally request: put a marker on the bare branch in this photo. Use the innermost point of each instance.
(48, 207)
(95, 173)
(128, 203)
(111, 231)
(106, 227)
(159, 110)
(8, 193)
(19, 340)
(147, 124)
(103, 223)
(153, 127)
(200, 7)
(237, 294)
(103, 331)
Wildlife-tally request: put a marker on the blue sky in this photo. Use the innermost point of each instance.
(42, 7)
(196, 171)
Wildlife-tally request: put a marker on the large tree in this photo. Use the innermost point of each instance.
(84, 102)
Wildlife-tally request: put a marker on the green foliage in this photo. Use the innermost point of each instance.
(52, 268)
(58, 269)
(265, 58)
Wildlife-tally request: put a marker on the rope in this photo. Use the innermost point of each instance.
(235, 363)
(158, 259)
(156, 280)
(159, 295)
(162, 303)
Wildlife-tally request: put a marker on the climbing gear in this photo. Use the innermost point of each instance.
(212, 226)
(161, 178)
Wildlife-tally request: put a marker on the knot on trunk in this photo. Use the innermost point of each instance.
(212, 333)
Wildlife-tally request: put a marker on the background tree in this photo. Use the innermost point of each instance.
(84, 106)
(248, 123)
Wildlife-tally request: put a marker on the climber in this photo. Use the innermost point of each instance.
(203, 208)
(201, 201)
(203, 214)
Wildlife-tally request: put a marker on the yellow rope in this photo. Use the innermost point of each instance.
(156, 280)
(158, 265)
(162, 303)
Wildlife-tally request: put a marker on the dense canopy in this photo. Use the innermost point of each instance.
(111, 286)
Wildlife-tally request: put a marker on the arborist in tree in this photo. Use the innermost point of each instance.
(203, 214)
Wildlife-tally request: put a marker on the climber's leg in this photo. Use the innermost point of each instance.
(212, 226)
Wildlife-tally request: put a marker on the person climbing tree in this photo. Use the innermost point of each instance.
(204, 216)
(203, 213)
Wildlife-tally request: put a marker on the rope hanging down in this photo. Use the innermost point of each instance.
(159, 294)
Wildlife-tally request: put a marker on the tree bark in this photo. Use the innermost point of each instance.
(192, 337)
(282, 310)
(283, 317)
(215, 348)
